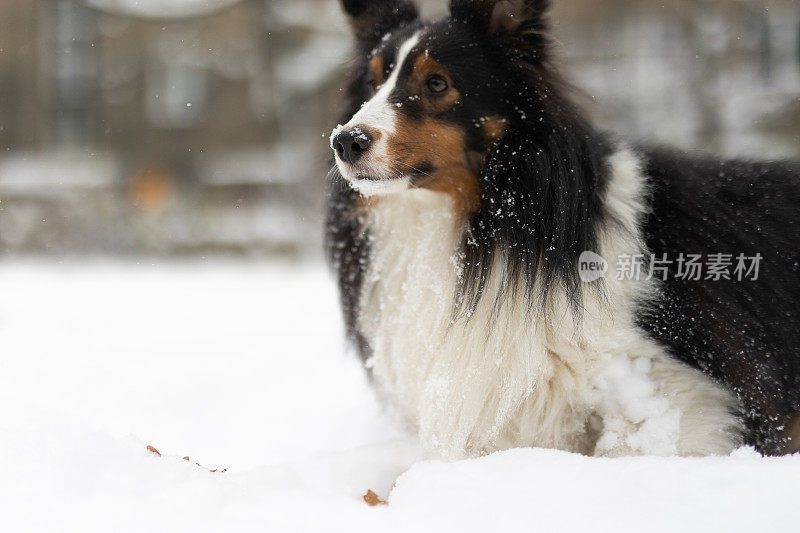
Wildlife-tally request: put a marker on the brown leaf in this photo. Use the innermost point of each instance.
(186, 458)
(373, 499)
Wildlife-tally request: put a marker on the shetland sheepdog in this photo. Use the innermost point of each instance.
(514, 277)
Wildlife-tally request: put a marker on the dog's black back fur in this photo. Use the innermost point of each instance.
(746, 334)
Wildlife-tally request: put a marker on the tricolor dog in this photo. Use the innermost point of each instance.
(514, 277)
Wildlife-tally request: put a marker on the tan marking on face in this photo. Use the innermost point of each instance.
(429, 141)
(376, 70)
(461, 183)
(426, 66)
(494, 128)
(416, 143)
(429, 152)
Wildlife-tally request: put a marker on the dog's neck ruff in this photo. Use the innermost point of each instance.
(506, 376)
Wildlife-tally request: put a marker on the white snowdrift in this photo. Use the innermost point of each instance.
(242, 367)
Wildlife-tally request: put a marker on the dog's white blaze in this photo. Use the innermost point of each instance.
(378, 114)
(505, 378)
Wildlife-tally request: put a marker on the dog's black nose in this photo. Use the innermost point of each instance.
(351, 144)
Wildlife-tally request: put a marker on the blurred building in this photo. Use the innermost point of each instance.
(200, 126)
(713, 75)
(165, 125)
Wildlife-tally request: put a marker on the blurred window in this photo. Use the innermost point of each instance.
(74, 71)
(176, 95)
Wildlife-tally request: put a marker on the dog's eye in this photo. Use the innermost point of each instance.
(437, 84)
(372, 84)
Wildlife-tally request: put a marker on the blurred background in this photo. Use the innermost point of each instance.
(199, 127)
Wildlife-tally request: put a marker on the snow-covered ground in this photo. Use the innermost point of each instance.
(243, 367)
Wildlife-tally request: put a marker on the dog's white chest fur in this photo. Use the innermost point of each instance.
(504, 377)
(460, 381)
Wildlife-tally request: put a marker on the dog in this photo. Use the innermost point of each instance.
(482, 231)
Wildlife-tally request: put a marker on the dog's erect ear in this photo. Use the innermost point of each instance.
(522, 22)
(372, 19)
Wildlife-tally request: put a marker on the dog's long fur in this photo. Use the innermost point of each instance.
(456, 233)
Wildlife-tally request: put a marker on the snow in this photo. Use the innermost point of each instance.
(634, 401)
(542, 490)
(242, 366)
(336, 131)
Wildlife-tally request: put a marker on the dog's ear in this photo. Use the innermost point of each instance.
(522, 23)
(372, 19)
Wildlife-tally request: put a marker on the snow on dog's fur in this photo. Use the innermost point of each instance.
(471, 185)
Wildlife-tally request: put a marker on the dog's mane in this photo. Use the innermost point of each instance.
(542, 194)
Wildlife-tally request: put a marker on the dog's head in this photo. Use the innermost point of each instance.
(435, 97)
